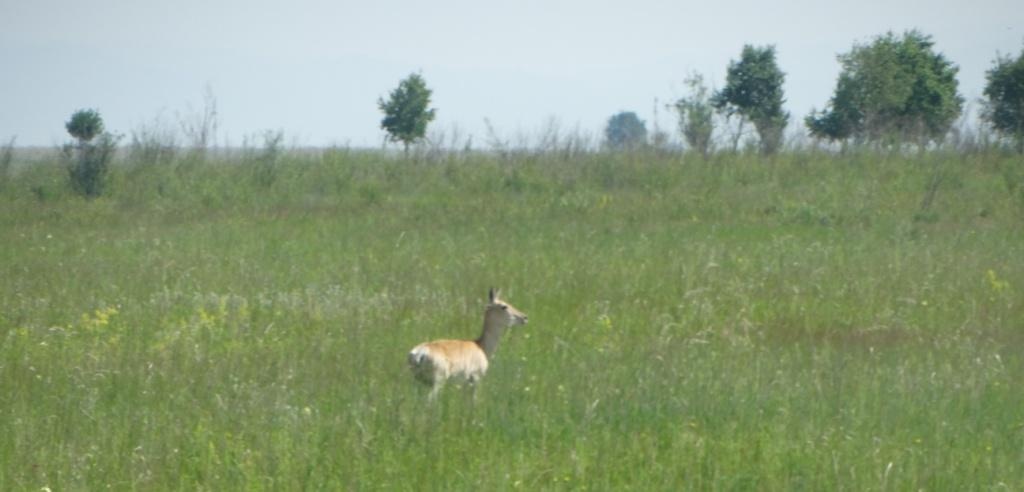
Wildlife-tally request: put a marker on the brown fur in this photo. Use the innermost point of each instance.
(435, 362)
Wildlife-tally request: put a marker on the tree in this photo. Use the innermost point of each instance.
(892, 90)
(625, 131)
(1004, 93)
(696, 115)
(753, 90)
(84, 125)
(87, 161)
(406, 112)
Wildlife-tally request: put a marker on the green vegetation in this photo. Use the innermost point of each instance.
(739, 323)
(892, 91)
(625, 131)
(696, 115)
(407, 111)
(85, 125)
(6, 157)
(753, 90)
(1004, 93)
(87, 161)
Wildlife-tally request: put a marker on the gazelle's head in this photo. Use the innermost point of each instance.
(502, 312)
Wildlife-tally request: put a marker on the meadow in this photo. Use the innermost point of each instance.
(808, 321)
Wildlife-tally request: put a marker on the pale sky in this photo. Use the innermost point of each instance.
(315, 69)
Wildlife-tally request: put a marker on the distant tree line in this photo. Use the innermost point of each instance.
(892, 91)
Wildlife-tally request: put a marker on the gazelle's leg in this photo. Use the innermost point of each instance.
(474, 386)
(438, 384)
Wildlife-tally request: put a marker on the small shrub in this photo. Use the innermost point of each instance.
(265, 161)
(696, 116)
(6, 157)
(87, 161)
(88, 164)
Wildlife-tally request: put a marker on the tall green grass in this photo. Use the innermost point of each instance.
(805, 322)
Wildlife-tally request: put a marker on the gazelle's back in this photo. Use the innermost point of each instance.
(442, 359)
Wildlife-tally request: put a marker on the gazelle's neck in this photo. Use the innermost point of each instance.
(493, 328)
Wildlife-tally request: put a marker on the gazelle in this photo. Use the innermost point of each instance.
(435, 362)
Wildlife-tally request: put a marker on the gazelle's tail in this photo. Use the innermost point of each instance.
(422, 364)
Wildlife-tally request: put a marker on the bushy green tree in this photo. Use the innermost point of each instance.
(696, 115)
(1004, 98)
(84, 125)
(753, 90)
(892, 90)
(625, 131)
(88, 160)
(407, 111)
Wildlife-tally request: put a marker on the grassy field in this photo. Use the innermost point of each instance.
(808, 322)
